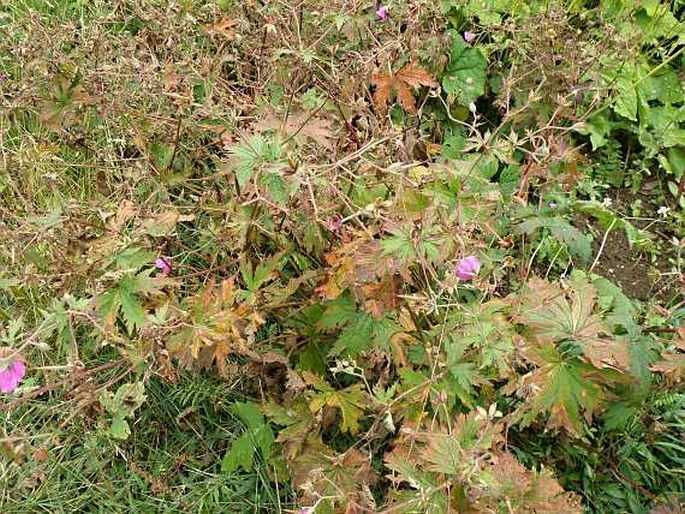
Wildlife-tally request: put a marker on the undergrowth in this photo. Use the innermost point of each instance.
(341, 256)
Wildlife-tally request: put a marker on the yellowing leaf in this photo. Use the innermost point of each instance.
(351, 401)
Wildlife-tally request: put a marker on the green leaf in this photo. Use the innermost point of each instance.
(465, 74)
(607, 218)
(509, 179)
(577, 243)
(664, 87)
(119, 428)
(133, 258)
(248, 413)
(244, 158)
(131, 308)
(258, 436)
(109, 304)
(626, 98)
(241, 454)
(676, 159)
(453, 145)
(338, 312)
(597, 127)
(622, 311)
(356, 337)
(276, 187)
(674, 137)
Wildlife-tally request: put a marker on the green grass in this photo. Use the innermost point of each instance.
(171, 463)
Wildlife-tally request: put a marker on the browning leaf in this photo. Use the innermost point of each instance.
(568, 389)
(225, 27)
(405, 97)
(408, 77)
(300, 124)
(415, 76)
(384, 84)
(672, 365)
(551, 312)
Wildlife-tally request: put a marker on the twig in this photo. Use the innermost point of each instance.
(51, 387)
(601, 247)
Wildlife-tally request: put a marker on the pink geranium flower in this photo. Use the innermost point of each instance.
(468, 267)
(12, 370)
(382, 12)
(469, 36)
(163, 264)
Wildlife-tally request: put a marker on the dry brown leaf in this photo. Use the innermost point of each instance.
(405, 97)
(410, 76)
(380, 296)
(672, 365)
(163, 223)
(225, 28)
(300, 124)
(125, 212)
(414, 75)
(384, 84)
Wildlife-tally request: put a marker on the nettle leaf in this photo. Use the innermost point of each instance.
(626, 98)
(355, 337)
(351, 401)
(577, 243)
(466, 72)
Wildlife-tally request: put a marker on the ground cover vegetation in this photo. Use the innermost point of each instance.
(342, 256)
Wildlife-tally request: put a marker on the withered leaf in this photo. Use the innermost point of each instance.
(401, 83)
(225, 27)
(300, 124)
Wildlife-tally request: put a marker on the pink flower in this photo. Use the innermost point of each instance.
(382, 12)
(334, 223)
(12, 371)
(468, 267)
(163, 264)
(469, 36)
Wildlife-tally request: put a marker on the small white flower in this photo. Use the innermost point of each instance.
(663, 211)
(607, 202)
